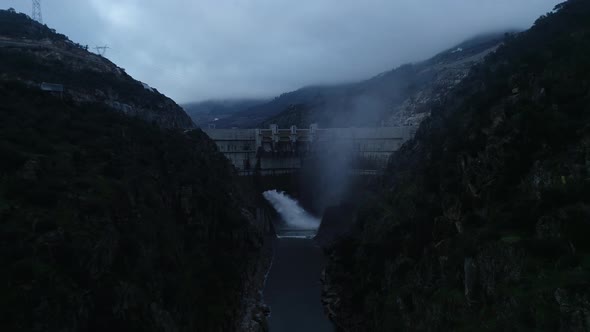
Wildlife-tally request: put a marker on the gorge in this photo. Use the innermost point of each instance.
(452, 194)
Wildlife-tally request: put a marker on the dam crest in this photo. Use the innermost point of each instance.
(275, 150)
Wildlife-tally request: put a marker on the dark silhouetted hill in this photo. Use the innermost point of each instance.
(109, 222)
(210, 111)
(481, 222)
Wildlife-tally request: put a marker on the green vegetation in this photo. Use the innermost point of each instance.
(491, 200)
(111, 223)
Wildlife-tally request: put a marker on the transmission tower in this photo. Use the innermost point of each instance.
(37, 16)
(101, 50)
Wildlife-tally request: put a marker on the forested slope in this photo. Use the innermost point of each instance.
(112, 218)
(482, 220)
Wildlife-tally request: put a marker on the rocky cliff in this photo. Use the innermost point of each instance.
(34, 54)
(482, 219)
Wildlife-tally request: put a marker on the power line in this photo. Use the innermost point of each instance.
(37, 15)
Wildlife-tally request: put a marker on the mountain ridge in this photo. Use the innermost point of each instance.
(35, 54)
(402, 91)
(207, 112)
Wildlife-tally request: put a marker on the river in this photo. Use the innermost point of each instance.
(293, 288)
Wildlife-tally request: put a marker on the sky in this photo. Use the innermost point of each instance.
(194, 50)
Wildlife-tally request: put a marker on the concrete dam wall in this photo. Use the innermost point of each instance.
(279, 151)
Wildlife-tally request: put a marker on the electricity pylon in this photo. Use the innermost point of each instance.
(101, 50)
(37, 16)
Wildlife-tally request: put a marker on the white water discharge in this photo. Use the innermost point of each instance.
(292, 213)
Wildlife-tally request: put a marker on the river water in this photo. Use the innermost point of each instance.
(293, 287)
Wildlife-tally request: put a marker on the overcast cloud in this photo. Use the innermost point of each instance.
(202, 49)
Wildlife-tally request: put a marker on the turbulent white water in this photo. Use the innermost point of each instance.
(292, 213)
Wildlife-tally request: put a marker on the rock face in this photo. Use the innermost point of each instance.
(254, 312)
(33, 53)
(482, 219)
(433, 80)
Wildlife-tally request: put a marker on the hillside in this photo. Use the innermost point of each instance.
(481, 222)
(33, 53)
(210, 111)
(403, 96)
(109, 222)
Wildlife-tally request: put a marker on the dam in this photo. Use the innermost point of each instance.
(274, 150)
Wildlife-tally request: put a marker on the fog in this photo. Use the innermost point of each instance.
(196, 50)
